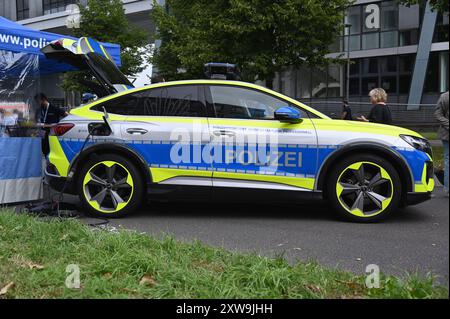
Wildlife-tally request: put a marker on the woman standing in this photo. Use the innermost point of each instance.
(380, 112)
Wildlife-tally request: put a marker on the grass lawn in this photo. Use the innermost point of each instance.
(438, 157)
(34, 255)
(430, 135)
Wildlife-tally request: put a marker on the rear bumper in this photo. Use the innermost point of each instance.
(417, 198)
(59, 183)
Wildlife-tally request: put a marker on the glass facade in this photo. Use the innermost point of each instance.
(436, 80)
(23, 9)
(53, 6)
(377, 25)
(394, 73)
(381, 25)
(442, 28)
(314, 83)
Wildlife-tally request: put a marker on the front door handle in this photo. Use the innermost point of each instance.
(137, 131)
(224, 133)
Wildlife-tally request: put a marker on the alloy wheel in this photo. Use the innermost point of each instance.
(365, 189)
(108, 186)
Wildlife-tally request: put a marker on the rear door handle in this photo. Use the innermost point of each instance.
(137, 131)
(224, 133)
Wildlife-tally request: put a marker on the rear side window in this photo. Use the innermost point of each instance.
(124, 105)
(186, 101)
(182, 101)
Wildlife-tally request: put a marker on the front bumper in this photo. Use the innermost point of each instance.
(417, 198)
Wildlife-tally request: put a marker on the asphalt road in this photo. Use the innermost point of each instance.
(414, 239)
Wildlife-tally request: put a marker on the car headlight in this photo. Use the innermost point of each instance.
(418, 143)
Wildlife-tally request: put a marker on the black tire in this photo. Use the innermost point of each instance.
(123, 170)
(342, 204)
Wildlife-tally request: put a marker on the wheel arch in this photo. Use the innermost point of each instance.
(391, 155)
(117, 149)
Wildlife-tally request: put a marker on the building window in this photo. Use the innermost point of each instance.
(386, 25)
(443, 56)
(369, 66)
(389, 39)
(23, 9)
(309, 83)
(432, 76)
(303, 83)
(335, 80)
(370, 41)
(437, 73)
(355, 43)
(389, 15)
(354, 19)
(319, 83)
(53, 6)
(409, 37)
(393, 73)
(441, 30)
(368, 84)
(388, 64)
(405, 67)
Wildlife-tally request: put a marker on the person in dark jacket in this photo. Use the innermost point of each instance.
(441, 115)
(380, 112)
(346, 111)
(46, 116)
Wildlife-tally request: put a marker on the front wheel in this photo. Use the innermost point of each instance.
(110, 186)
(364, 188)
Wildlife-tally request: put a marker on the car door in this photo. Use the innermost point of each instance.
(257, 151)
(169, 128)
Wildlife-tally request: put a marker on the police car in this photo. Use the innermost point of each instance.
(223, 140)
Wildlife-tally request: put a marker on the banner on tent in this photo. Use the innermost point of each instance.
(18, 43)
(20, 170)
(19, 83)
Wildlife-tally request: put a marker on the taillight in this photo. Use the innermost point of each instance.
(61, 129)
(57, 43)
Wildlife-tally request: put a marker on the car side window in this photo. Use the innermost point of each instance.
(123, 105)
(184, 101)
(243, 103)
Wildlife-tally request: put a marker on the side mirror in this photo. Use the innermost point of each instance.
(288, 114)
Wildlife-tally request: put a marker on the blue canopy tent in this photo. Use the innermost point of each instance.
(21, 65)
(14, 37)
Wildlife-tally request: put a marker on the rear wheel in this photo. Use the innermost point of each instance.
(364, 188)
(110, 186)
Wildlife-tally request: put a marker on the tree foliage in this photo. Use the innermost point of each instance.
(439, 5)
(105, 21)
(261, 36)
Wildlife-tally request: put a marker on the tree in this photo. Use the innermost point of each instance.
(261, 36)
(439, 5)
(105, 21)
